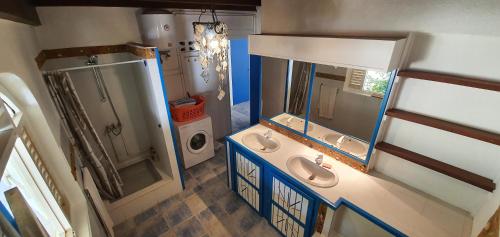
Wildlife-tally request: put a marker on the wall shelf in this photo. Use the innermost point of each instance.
(450, 79)
(441, 167)
(445, 125)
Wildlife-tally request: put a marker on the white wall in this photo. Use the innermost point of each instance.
(20, 77)
(182, 70)
(64, 27)
(458, 37)
(274, 73)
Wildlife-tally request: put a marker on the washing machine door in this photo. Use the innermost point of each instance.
(197, 142)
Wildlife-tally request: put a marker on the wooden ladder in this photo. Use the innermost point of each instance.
(433, 164)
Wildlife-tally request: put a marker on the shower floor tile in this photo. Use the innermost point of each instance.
(138, 176)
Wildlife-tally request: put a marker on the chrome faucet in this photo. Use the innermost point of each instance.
(340, 141)
(268, 134)
(319, 159)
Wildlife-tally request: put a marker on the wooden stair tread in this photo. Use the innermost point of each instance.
(450, 79)
(441, 167)
(445, 125)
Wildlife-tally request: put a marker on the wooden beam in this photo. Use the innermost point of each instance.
(22, 11)
(244, 5)
(451, 79)
(139, 50)
(438, 166)
(446, 126)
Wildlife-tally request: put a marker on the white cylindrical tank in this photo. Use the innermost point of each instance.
(158, 28)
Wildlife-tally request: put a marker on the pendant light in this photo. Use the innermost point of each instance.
(210, 39)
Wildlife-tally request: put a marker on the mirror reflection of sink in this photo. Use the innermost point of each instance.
(259, 142)
(311, 173)
(333, 139)
(355, 147)
(295, 123)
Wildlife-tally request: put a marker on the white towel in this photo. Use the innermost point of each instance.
(327, 96)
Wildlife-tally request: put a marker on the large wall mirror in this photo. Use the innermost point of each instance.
(340, 106)
(285, 90)
(345, 105)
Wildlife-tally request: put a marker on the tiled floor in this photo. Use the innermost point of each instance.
(207, 208)
(240, 116)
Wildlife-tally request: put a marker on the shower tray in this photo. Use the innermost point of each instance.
(138, 176)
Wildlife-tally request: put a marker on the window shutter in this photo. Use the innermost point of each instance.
(26, 139)
(357, 79)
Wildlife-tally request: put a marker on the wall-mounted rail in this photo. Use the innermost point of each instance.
(450, 79)
(441, 167)
(445, 125)
(433, 164)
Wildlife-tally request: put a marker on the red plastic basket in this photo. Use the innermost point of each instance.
(190, 112)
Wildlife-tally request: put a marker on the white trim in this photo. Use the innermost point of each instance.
(288, 84)
(230, 71)
(359, 53)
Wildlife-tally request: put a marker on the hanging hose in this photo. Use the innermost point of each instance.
(115, 128)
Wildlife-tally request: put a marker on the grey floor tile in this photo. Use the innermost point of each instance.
(245, 218)
(261, 229)
(171, 201)
(207, 207)
(144, 216)
(199, 170)
(126, 228)
(177, 214)
(190, 228)
(231, 202)
(155, 228)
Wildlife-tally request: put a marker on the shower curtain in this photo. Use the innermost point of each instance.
(300, 85)
(82, 135)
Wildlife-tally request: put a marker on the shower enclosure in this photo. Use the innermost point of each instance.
(123, 97)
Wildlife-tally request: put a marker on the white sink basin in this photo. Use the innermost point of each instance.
(311, 173)
(258, 142)
(295, 123)
(333, 138)
(354, 147)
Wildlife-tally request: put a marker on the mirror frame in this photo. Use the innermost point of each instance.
(256, 105)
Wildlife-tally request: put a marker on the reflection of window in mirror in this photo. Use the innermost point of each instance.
(345, 117)
(367, 82)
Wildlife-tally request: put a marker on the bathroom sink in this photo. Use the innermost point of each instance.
(295, 123)
(354, 147)
(260, 143)
(333, 139)
(311, 173)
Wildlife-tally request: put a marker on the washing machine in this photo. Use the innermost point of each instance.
(195, 140)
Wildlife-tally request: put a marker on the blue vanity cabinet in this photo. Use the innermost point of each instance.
(290, 209)
(271, 193)
(247, 177)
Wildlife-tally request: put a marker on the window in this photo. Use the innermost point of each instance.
(25, 170)
(366, 82)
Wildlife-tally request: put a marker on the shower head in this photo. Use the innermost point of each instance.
(92, 60)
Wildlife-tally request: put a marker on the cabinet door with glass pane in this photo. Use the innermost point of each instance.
(248, 178)
(290, 207)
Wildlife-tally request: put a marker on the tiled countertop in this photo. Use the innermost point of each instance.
(410, 211)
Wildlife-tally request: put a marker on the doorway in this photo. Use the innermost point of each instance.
(239, 82)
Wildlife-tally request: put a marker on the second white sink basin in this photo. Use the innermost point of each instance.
(311, 173)
(333, 138)
(258, 142)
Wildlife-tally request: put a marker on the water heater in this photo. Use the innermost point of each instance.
(158, 28)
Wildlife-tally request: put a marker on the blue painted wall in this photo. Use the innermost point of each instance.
(240, 64)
